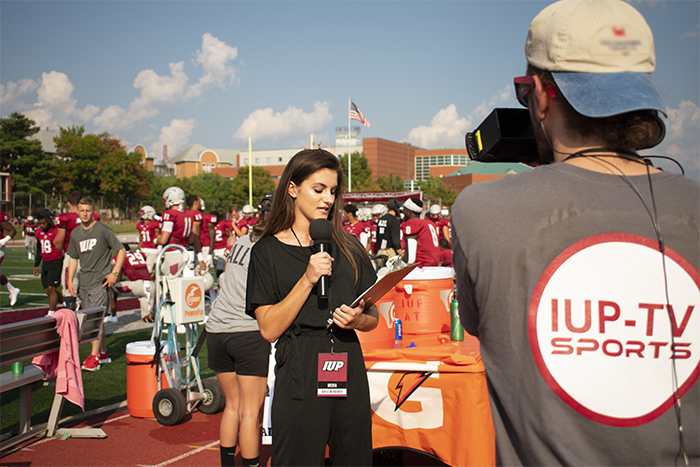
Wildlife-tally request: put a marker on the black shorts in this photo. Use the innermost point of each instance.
(51, 272)
(245, 353)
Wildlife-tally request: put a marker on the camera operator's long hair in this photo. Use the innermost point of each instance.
(281, 216)
(632, 130)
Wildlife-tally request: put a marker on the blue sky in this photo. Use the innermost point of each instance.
(218, 72)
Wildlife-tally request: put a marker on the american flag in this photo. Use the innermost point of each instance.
(355, 114)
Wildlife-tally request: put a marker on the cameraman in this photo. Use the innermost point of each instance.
(580, 278)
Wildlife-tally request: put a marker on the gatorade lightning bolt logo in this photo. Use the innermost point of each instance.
(408, 384)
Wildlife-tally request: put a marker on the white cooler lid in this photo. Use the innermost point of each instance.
(146, 348)
(430, 273)
(141, 348)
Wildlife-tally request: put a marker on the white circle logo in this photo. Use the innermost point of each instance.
(603, 333)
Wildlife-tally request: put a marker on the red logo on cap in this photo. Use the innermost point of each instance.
(618, 32)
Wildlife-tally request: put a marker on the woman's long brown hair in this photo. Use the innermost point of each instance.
(281, 217)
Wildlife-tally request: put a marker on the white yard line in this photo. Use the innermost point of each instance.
(183, 456)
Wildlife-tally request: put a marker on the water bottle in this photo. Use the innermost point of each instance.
(456, 329)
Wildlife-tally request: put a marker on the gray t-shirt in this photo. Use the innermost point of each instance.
(92, 248)
(228, 310)
(559, 275)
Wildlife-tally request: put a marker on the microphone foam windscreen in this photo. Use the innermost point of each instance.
(321, 230)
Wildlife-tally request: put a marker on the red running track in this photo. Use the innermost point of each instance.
(130, 442)
(144, 442)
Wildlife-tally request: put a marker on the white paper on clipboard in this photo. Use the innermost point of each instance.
(382, 286)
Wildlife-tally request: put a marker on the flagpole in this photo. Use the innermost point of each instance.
(250, 171)
(349, 157)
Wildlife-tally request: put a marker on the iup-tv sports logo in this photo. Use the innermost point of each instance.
(603, 334)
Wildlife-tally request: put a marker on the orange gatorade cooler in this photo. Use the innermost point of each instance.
(422, 300)
(381, 337)
(141, 381)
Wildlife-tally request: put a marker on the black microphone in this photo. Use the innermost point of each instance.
(321, 232)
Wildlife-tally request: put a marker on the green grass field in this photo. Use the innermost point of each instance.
(104, 387)
(19, 270)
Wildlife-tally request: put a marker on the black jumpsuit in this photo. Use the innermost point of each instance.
(302, 422)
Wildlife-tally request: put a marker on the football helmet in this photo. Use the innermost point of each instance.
(173, 196)
(147, 212)
(364, 215)
(379, 209)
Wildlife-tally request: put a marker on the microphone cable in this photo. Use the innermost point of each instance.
(634, 157)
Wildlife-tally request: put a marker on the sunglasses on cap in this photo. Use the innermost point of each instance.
(520, 84)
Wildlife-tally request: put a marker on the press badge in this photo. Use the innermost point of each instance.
(332, 374)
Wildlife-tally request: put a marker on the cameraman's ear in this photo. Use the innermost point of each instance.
(541, 97)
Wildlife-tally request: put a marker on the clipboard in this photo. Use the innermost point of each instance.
(382, 286)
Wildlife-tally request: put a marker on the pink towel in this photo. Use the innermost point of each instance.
(64, 365)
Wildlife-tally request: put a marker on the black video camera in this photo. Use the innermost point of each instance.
(506, 135)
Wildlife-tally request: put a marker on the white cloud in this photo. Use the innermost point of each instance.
(157, 91)
(55, 89)
(482, 110)
(10, 92)
(682, 140)
(56, 105)
(266, 124)
(214, 59)
(110, 118)
(447, 128)
(177, 136)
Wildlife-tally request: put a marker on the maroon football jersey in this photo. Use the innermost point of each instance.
(46, 247)
(181, 226)
(428, 250)
(204, 229)
(68, 221)
(30, 228)
(134, 267)
(148, 232)
(220, 233)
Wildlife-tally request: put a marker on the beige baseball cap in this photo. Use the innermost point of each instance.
(601, 55)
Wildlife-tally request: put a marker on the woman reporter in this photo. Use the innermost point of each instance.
(284, 269)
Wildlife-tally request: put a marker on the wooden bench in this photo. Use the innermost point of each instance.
(28, 339)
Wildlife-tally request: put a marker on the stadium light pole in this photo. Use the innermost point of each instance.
(349, 156)
(250, 171)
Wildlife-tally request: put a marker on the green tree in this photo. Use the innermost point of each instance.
(32, 170)
(99, 166)
(262, 184)
(361, 172)
(122, 174)
(81, 159)
(435, 191)
(214, 189)
(390, 183)
(160, 184)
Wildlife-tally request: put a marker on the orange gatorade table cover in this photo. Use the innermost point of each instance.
(433, 398)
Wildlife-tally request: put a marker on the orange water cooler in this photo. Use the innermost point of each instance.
(422, 301)
(381, 337)
(141, 382)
